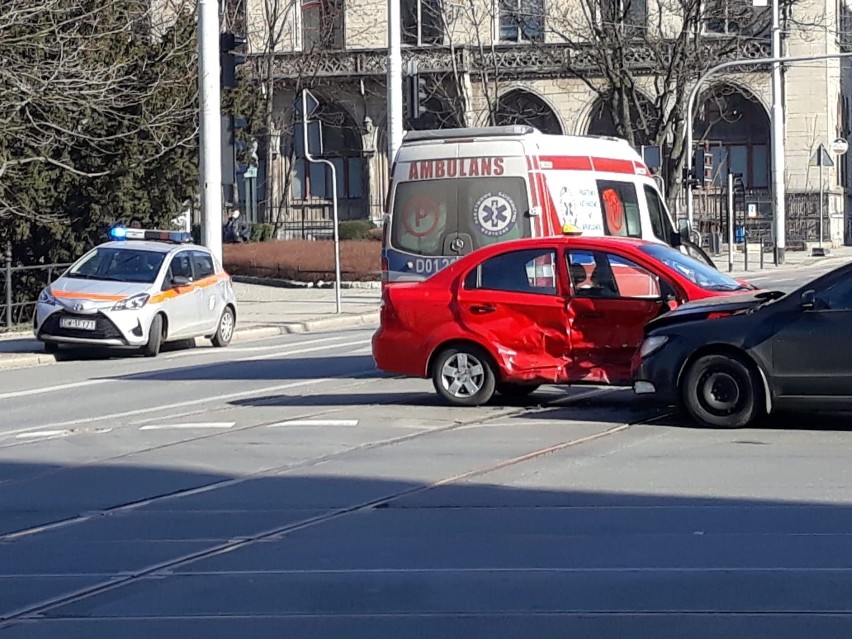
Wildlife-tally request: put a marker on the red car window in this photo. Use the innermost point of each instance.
(526, 271)
(633, 280)
(597, 274)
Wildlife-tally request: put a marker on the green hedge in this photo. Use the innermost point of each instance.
(355, 229)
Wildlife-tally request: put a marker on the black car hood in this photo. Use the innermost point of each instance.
(700, 309)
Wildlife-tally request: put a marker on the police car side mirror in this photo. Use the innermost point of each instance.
(180, 280)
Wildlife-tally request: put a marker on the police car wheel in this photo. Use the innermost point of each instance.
(155, 337)
(51, 348)
(225, 331)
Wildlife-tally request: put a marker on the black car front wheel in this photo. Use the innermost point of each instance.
(463, 375)
(722, 391)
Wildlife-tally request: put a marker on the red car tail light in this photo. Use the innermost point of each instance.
(388, 313)
(718, 315)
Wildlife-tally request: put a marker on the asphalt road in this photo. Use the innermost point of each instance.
(786, 279)
(284, 488)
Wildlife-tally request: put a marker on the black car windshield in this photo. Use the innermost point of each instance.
(696, 272)
(119, 265)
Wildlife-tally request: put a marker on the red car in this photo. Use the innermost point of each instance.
(514, 315)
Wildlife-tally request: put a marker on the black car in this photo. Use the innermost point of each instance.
(729, 360)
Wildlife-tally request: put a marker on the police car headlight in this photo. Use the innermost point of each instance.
(652, 345)
(132, 303)
(46, 297)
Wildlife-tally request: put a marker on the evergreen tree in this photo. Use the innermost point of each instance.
(102, 123)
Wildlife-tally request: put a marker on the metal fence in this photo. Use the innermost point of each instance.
(21, 285)
(314, 220)
(711, 215)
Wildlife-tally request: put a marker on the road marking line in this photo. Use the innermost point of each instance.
(247, 349)
(42, 433)
(316, 422)
(133, 376)
(188, 425)
(188, 413)
(193, 402)
(59, 387)
(303, 350)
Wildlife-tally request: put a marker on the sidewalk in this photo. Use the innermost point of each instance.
(262, 311)
(793, 260)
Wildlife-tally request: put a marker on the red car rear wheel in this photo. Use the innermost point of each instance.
(464, 375)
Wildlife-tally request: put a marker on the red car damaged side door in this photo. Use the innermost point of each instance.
(513, 302)
(612, 298)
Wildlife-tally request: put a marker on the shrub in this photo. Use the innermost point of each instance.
(261, 232)
(355, 229)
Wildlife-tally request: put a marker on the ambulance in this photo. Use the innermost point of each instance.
(456, 190)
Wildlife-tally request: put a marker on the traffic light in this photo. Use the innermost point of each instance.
(231, 56)
(416, 96)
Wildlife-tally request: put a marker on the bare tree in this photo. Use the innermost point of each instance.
(479, 95)
(309, 34)
(641, 59)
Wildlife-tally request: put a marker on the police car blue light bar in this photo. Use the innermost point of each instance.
(124, 233)
(118, 232)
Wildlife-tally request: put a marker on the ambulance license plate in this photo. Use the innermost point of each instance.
(80, 324)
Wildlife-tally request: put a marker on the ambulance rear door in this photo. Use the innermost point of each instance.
(452, 198)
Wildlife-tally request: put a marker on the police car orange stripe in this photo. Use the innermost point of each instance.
(95, 297)
(184, 290)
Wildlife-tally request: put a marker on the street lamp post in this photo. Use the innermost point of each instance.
(210, 160)
(394, 64)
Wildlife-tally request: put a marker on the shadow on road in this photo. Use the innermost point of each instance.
(283, 368)
(362, 556)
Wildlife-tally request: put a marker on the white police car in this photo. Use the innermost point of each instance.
(139, 290)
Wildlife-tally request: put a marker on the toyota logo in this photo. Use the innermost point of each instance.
(457, 245)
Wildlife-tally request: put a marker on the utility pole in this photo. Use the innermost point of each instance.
(394, 81)
(731, 220)
(777, 143)
(210, 160)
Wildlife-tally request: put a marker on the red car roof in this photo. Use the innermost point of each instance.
(601, 243)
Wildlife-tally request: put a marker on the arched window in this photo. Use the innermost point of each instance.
(642, 118)
(522, 107)
(736, 128)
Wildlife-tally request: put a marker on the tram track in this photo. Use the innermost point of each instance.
(115, 582)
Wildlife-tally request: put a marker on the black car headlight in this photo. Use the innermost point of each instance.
(651, 345)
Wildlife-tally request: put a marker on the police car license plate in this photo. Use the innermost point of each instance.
(81, 324)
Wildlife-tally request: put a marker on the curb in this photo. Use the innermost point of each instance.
(29, 360)
(278, 283)
(308, 326)
(25, 360)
